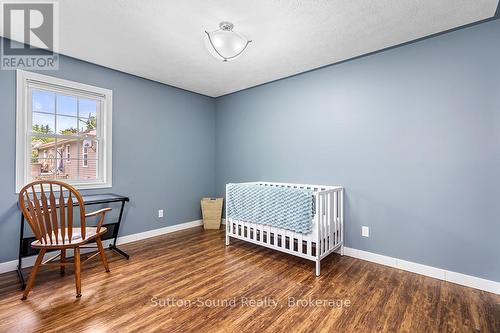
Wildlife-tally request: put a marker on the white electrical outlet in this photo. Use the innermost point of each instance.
(160, 213)
(365, 231)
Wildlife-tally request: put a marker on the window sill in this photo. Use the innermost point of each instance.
(80, 186)
(91, 186)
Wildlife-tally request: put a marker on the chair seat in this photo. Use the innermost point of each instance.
(76, 238)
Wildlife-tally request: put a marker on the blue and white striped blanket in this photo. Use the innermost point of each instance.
(282, 207)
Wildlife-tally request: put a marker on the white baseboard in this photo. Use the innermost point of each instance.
(30, 261)
(157, 232)
(8, 266)
(437, 273)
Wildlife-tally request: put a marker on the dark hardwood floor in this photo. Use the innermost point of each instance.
(194, 266)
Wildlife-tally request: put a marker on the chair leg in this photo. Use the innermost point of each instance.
(102, 253)
(33, 273)
(63, 260)
(78, 279)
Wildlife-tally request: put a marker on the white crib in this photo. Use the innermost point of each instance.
(327, 233)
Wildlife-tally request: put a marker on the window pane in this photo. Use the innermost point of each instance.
(87, 107)
(88, 116)
(42, 150)
(88, 126)
(46, 169)
(67, 125)
(68, 169)
(66, 105)
(89, 172)
(43, 123)
(43, 101)
(92, 145)
(88, 148)
(44, 155)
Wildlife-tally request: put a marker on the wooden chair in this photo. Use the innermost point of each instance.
(48, 206)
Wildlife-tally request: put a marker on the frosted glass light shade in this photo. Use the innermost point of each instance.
(225, 44)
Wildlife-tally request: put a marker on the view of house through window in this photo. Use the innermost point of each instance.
(64, 140)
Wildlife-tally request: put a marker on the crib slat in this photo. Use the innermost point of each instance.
(329, 220)
(332, 219)
(272, 236)
(299, 241)
(320, 226)
(320, 219)
(323, 220)
(327, 223)
(277, 239)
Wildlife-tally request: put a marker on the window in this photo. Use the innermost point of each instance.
(56, 117)
(85, 156)
(68, 153)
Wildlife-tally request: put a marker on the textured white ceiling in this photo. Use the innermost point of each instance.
(163, 40)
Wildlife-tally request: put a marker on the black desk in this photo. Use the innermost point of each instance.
(26, 250)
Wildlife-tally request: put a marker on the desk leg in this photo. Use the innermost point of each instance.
(115, 234)
(21, 278)
(20, 256)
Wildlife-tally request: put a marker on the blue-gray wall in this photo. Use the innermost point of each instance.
(413, 134)
(163, 149)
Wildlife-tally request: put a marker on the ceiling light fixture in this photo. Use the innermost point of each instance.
(225, 44)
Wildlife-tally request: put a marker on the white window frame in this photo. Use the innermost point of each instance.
(27, 79)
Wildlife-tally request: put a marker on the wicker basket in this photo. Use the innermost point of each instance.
(211, 209)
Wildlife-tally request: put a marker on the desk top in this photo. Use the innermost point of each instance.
(95, 199)
(103, 198)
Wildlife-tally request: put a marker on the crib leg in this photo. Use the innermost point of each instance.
(227, 238)
(342, 250)
(318, 267)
